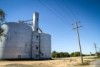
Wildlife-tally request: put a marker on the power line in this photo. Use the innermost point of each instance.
(72, 12)
(61, 9)
(52, 10)
(77, 29)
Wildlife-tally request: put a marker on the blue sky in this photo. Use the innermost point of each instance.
(56, 18)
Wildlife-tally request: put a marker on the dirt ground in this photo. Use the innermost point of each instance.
(58, 62)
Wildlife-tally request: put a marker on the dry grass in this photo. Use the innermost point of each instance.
(63, 62)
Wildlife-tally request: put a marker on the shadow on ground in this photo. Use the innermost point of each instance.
(25, 65)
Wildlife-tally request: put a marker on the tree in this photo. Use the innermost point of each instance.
(60, 54)
(98, 53)
(2, 15)
(75, 54)
(54, 54)
(66, 54)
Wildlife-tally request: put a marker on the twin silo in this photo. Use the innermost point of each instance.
(22, 41)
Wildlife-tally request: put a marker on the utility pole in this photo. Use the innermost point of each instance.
(95, 49)
(77, 29)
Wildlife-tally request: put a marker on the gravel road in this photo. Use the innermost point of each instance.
(95, 63)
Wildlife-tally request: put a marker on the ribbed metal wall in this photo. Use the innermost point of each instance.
(17, 41)
(35, 45)
(45, 46)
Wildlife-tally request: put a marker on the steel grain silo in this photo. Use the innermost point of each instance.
(15, 41)
(23, 41)
(45, 46)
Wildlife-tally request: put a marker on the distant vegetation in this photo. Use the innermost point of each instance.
(75, 54)
(98, 53)
(60, 54)
(66, 54)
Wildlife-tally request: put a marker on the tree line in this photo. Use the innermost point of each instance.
(66, 54)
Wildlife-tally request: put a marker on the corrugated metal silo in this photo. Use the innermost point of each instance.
(21, 41)
(45, 46)
(16, 41)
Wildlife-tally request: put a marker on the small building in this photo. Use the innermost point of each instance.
(19, 40)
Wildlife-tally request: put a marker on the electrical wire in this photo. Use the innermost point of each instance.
(55, 12)
(60, 12)
(52, 10)
(71, 11)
